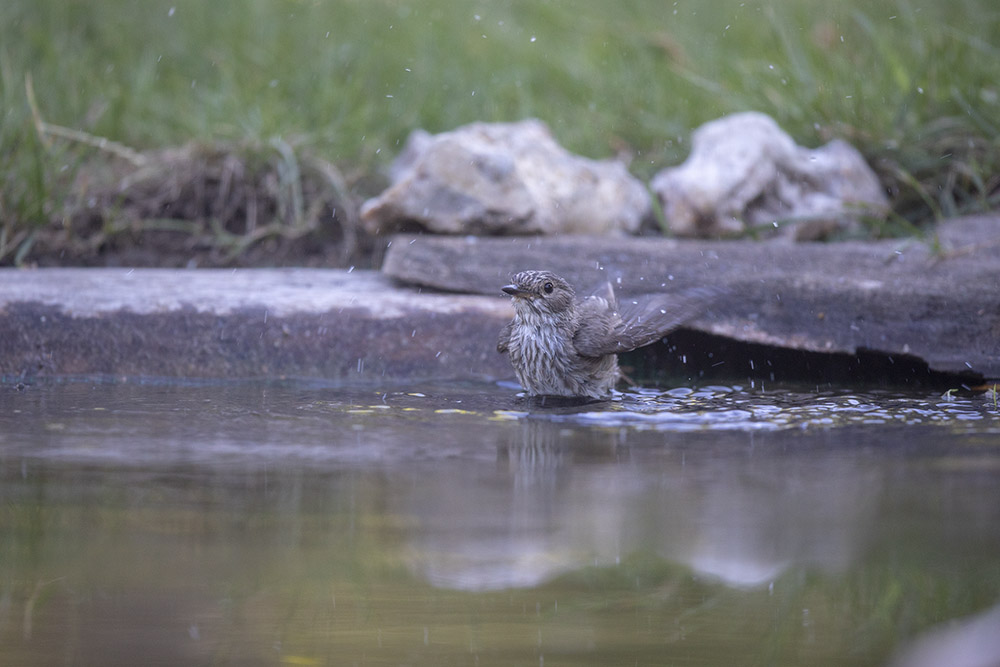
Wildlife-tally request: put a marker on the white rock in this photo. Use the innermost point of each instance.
(745, 172)
(504, 178)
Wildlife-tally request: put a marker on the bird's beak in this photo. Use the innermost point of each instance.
(514, 290)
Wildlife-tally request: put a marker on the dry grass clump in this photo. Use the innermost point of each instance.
(207, 205)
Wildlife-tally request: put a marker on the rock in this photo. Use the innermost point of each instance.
(504, 178)
(350, 326)
(902, 299)
(899, 300)
(744, 172)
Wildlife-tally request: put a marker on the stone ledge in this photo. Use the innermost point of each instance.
(310, 323)
(900, 297)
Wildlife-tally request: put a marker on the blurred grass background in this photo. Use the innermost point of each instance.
(914, 84)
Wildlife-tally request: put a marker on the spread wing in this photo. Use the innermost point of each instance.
(637, 321)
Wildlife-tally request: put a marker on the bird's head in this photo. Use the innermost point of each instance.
(540, 292)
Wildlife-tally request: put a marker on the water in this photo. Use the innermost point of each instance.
(288, 523)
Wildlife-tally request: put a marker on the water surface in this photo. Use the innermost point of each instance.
(295, 523)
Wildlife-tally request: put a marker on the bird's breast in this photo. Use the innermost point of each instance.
(538, 341)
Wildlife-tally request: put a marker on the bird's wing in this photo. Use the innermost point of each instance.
(640, 320)
(504, 340)
(604, 291)
(599, 324)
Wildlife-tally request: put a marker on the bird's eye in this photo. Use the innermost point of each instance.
(548, 288)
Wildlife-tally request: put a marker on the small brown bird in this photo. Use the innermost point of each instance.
(563, 346)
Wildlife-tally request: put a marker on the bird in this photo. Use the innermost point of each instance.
(560, 345)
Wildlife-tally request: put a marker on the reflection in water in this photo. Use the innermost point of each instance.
(968, 642)
(552, 507)
(515, 525)
(255, 524)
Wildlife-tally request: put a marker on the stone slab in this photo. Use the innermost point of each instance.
(311, 323)
(939, 303)
(935, 300)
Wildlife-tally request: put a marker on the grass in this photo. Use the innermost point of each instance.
(912, 83)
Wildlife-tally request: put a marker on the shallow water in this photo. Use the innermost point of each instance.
(294, 523)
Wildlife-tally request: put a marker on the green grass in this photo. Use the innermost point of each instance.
(914, 84)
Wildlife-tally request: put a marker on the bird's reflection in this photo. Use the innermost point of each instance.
(539, 450)
(562, 497)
